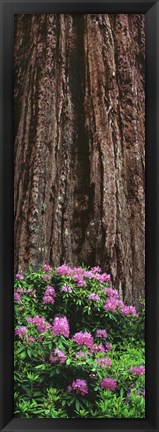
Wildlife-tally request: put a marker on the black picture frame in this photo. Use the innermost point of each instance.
(151, 10)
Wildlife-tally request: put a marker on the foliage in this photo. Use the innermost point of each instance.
(79, 351)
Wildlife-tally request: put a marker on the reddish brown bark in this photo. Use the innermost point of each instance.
(79, 144)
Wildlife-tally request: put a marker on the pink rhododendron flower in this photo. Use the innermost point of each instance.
(89, 274)
(105, 290)
(22, 290)
(57, 356)
(31, 339)
(129, 310)
(111, 304)
(61, 326)
(97, 348)
(108, 384)
(19, 276)
(94, 297)
(29, 319)
(96, 269)
(83, 338)
(111, 292)
(108, 347)
(50, 291)
(104, 361)
(79, 386)
(101, 333)
(120, 304)
(46, 277)
(48, 300)
(66, 288)
(40, 323)
(49, 295)
(79, 280)
(137, 370)
(25, 291)
(104, 277)
(63, 270)
(17, 297)
(20, 331)
(46, 267)
(77, 271)
(81, 354)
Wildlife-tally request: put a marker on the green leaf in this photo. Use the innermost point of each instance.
(19, 350)
(29, 352)
(23, 355)
(77, 404)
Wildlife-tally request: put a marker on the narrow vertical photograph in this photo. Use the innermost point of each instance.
(79, 216)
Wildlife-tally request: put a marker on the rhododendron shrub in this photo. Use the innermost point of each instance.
(79, 350)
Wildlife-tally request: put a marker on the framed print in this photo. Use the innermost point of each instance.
(79, 215)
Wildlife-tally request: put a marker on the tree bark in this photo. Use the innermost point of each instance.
(79, 144)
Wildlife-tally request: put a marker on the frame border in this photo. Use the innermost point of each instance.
(8, 8)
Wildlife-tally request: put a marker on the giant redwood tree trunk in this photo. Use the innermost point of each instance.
(79, 144)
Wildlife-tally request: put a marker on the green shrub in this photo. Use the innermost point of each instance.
(75, 345)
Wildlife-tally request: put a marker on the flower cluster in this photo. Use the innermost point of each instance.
(108, 347)
(137, 370)
(19, 291)
(79, 280)
(21, 331)
(101, 333)
(111, 292)
(46, 277)
(96, 269)
(94, 274)
(46, 267)
(79, 386)
(57, 356)
(49, 295)
(30, 339)
(63, 270)
(81, 354)
(66, 288)
(16, 296)
(26, 291)
(120, 304)
(40, 322)
(111, 304)
(104, 277)
(19, 276)
(104, 361)
(48, 300)
(108, 384)
(61, 326)
(77, 271)
(94, 297)
(83, 338)
(89, 274)
(98, 348)
(78, 274)
(129, 310)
